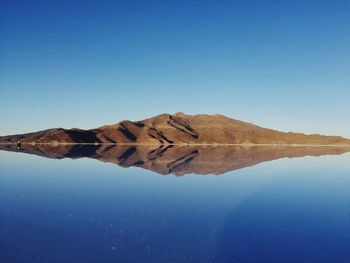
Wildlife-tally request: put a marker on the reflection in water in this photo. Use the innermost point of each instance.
(53, 212)
(177, 160)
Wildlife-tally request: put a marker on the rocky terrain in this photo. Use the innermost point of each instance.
(178, 128)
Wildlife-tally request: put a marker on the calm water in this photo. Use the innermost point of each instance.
(83, 210)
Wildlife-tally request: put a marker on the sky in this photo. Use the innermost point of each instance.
(279, 64)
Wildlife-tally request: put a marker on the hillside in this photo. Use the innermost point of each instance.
(178, 128)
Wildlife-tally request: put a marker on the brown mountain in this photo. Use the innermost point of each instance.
(178, 128)
(177, 160)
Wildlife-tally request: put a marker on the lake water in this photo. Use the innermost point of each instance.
(252, 210)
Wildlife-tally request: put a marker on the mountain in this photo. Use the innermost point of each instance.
(178, 128)
(177, 160)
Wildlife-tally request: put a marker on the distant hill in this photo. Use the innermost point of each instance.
(178, 128)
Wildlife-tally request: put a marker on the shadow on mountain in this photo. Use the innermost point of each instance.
(177, 160)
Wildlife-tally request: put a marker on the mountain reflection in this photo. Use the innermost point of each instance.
(177, 160)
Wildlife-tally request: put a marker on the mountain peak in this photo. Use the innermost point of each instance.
(178, 128)
(179, 114)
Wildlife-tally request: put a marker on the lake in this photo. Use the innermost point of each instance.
(180, 204)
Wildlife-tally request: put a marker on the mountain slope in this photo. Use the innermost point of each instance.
(178, 128)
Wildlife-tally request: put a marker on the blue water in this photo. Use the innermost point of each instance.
(287, 210)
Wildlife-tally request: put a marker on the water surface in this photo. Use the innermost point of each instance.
(236, 207)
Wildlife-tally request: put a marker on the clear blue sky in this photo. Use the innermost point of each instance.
(279, 64)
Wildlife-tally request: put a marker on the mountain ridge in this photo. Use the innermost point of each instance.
(178, 128)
